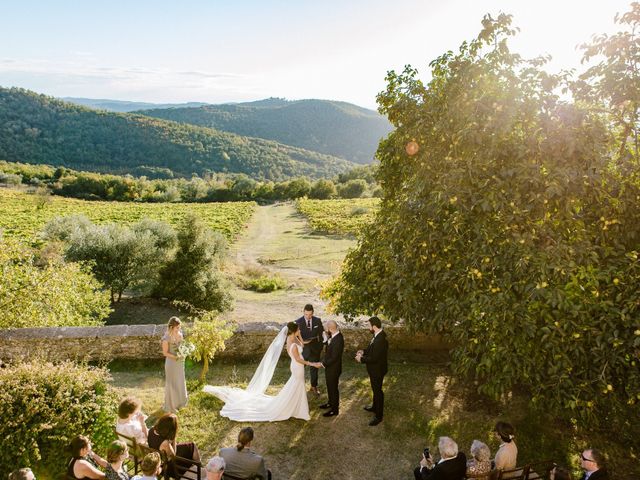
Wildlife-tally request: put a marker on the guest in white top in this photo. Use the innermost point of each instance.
(131, 420)
(507, 454)
(151, 467)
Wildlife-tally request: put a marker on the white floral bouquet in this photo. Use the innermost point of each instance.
(185, 350)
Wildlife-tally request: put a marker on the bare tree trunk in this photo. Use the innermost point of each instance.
(205, 369)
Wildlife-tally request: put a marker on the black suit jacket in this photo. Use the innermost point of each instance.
(375, 356)
(333, 356)
(600, 474)
(454, 469)
(314, 334)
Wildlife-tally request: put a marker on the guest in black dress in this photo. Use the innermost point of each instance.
(162, 436)
(84, 462)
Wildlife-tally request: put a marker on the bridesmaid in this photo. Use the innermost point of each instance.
(175, 390)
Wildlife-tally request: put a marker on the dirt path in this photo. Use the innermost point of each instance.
(278, 239)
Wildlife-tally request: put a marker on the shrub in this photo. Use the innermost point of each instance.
(323, 189)
(209, 334)
(266, 283)
(44, 405)
(10, 178)
(356, 211)
(352, 189)
(53, 294)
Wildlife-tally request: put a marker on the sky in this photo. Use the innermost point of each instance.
(216, 52)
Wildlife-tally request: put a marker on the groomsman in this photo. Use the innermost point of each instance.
(311, 331)
(375, 357)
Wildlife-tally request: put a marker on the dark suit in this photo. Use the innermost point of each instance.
(333, 369)
(311, 351)
(600, 474)
(375, 357)
(454, 469)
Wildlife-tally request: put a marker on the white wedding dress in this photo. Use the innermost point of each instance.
(253, 405)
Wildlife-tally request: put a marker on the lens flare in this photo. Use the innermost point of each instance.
(411, 148)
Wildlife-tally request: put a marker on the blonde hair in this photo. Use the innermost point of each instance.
(116, 450)
(150, 463)
(173, 323)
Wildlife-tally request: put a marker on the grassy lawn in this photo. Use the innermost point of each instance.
(423, 402)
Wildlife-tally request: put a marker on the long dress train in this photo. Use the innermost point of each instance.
(253, 405)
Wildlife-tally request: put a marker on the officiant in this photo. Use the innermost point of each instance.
(311, 330)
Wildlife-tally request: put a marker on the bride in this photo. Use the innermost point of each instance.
(252, 404)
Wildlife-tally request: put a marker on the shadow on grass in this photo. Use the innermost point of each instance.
(422, 402)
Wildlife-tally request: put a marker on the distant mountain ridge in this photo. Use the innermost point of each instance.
(334, 128)
(39, 129)
(124, 106)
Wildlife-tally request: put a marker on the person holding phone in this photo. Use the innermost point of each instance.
(451, 466)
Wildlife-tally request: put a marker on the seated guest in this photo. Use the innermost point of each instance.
(84, 462)
(22, 474)
(241, 462)
(151, 467)
(480, 462)
(130, 420)
(507, 454)
(117, 453)
(162, 436)
(592, 462)
(451, 466)
(559, 473)
(215, 468)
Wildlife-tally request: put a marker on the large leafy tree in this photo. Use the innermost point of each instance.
(193, 275)
(506, 226)
(121, 257)
(614, 81)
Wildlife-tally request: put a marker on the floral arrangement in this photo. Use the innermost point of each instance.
(185, 350)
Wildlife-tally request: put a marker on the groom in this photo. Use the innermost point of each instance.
(332, 364)
(311, 332)
(375, 357)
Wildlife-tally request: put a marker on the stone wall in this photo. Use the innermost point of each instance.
(143, 341)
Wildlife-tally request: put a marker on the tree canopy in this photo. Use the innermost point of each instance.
(509, 224)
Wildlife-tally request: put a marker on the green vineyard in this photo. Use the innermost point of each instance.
(340, 217)
(23, 214)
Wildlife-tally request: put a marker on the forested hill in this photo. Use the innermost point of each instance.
(39, 129)
(334, 128)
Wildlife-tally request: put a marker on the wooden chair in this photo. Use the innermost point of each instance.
(518, 473)
(135, 455)
(540, 470)
(184, 467)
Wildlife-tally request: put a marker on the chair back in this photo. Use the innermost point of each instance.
(518, 473)
(541, 470)
(226, 476)
(187, 468)
(134, 452)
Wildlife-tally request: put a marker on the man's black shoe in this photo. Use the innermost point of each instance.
(375, 422)
(324, 406)
(330, 413)
(369, 408)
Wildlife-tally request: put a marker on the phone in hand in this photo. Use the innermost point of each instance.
(426, 453)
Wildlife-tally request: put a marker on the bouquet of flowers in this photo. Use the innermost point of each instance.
(185, 350)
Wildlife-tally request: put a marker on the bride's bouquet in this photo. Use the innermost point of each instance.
(185, 350)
